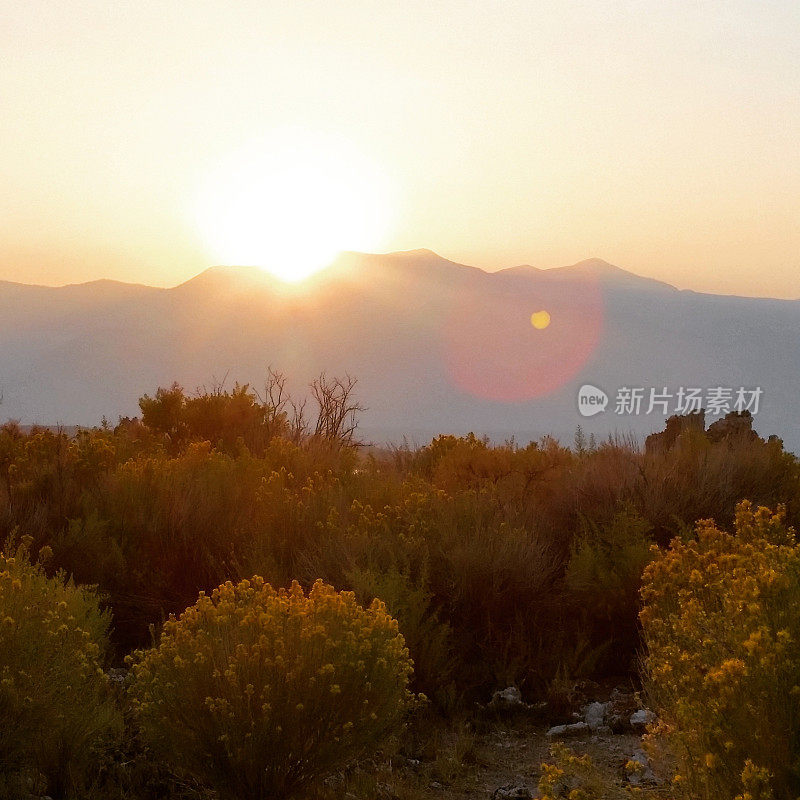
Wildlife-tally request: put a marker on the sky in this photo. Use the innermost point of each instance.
(661, 136)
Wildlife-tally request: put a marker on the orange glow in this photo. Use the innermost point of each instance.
(514, 133)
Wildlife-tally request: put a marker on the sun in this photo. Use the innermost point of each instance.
(291, 203)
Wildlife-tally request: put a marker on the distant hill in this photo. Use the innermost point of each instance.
(436, 346)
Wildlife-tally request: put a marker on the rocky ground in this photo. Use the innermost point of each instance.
(497, 753)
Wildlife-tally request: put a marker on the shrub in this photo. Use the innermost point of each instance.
(55, 703)
(701, 479)
(263, 692)
(603, 578)
(721, 622)
(606, 564)
(576, 778)
(179, 523)
(504, 602)
(87, 552)
(428, 639)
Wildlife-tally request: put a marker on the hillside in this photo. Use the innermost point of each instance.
(436, 346)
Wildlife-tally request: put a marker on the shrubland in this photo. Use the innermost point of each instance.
(501, 564)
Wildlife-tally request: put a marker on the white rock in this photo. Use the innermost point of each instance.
(644, 774)
(510, 696)
(641, 719)
(594, 715)
(568, 731)
(509, 699)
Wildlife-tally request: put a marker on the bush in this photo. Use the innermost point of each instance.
(703, 479)
(428, 639)
(55, 703)
(722, 626)
(263, 692)
(575, 778)
(603, 578)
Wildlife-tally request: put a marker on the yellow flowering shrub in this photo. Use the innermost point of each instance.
(721, 621)
(576, 777)
(55, 703)
(263, 692)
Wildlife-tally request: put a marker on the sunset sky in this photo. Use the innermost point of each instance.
(661, 136)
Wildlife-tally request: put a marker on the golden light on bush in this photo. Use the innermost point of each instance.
(55, 703)
(721, 621)
(263, 692)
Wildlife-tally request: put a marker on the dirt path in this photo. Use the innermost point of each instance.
(510, 755)
(496, 759)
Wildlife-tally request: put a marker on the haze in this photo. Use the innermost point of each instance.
(661, 136)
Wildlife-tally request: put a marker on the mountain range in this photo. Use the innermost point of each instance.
(436, 346)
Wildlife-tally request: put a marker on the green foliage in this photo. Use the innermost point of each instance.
(263, 693)
(501, 563)
(88, 553)
(603, 577)
(701, 479)
(55, 704)
(427, 637)
(606, 563)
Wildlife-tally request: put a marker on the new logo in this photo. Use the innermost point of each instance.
(591, 400)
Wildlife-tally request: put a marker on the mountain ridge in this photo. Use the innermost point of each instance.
(593, 267)
(437, 347)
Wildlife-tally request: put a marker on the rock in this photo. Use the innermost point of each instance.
(508, 699)
(735, 425)
(435, 785)
(512, 792)
(619, 710)
(638, 771)
(594, 715)
(568, 731)
(676, 426)
(640, 719)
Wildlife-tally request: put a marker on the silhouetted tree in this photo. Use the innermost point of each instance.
(337, 409)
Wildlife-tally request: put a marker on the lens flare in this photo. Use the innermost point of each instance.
(498, 349)
(540, 320)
